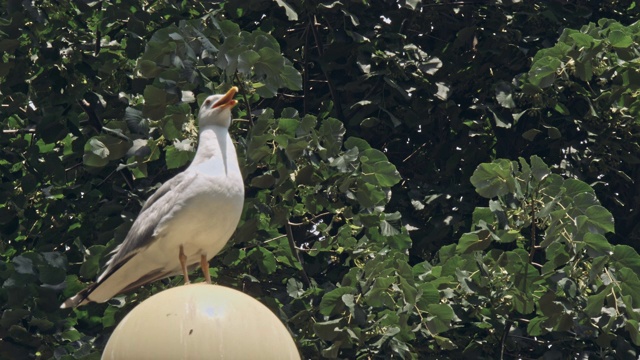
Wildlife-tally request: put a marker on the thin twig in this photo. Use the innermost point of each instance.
(305, 73)
(72, 167)
(94, 121)
(18, 131)
(264, 242)
(332, 89)
(310, 220)
(127, 180)
(415, 152)
(292, 245)
(244, 96)
(507, 328)
(533, 239)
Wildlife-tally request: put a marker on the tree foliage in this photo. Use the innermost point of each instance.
(421, 183)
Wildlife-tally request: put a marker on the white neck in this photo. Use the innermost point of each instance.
(216, 155)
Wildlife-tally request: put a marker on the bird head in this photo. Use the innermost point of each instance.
(216, 109)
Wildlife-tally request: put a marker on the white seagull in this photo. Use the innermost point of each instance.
(187, 221)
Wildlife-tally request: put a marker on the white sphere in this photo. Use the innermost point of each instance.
(200, 321)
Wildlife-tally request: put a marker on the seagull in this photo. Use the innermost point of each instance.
(187, 221)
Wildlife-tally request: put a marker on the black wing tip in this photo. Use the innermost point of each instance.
(79, 299)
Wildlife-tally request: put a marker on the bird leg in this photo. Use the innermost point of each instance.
(204, 265)
(183, 264)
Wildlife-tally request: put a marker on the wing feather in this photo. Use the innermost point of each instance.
(144, 229)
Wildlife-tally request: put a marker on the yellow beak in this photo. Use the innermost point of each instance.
(227, 100)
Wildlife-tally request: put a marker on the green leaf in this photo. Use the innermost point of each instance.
(345, 162)
(356, 142)
(23, 265)
(412, 4)
(601, 217)
(332, 303)
(543, 71)
(177, 158)
(561, 108)
(582, 40)
(291, 14)
(97, 147)
(382, 173)
(568, 286)
(493, 179)
(627, 257)
(386, 229)
(428, 295)
(109, 318)
(574, 187)
(288, 126)
(307, 123)
(51, 275)
(108, 147)
(440, 317)
(295, 288)
(595, 302)
(482, 214)
(549, 306)
(499, 120)
(328, 330)
(630, 286)
(536, 326)
(598, 243)
(508, 236)
(73, 286)
(552, 132)
(539, 169)
(619, 39)
(633, 327)
(378, 295)
(550, 206)
(291, 78)
(470, 242)
(155, 102)
(504, 95)
(91, 265)
(331, 133)
(270, 64)
(445, 343)
(531, 134)
(71, 335)
(557, 256)
(246, 60)
(522, 303)
(370, 195)
(148, 69)
(372, 156)
(228, 27)
(265, 260)
(263, 181)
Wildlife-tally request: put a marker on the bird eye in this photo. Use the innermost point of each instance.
(207, 102)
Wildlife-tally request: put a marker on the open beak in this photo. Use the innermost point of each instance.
(227, 100)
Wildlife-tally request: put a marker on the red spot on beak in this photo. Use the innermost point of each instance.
(227, 100)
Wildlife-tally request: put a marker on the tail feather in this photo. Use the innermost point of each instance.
(80, 298)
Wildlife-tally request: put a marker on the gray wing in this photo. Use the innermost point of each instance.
(142, 231)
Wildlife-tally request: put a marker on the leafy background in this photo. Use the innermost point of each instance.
(448, 179)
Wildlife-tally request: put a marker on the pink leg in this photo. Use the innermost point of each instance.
(204, 265)
(183, 264)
